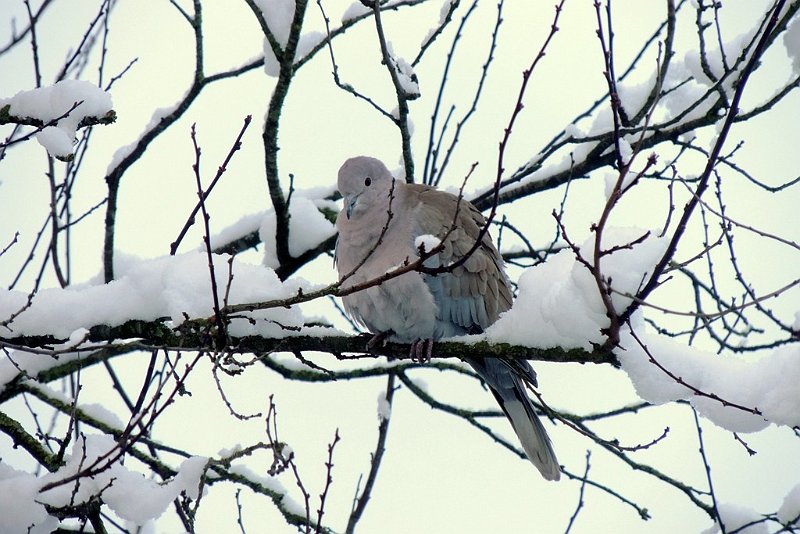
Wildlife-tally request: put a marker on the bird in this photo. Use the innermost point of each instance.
(380, 226)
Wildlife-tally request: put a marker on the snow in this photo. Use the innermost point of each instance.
(271, 65)
(561, 297)
(244, 226)
(567, 161)
(306, 43)
(558, 297)
(76, 338)
(611, 178)
(278, 15)
(354, 10)
(272, 484)
(602, 123)
(289, 361)
(171, 286)
(687, 95)
(308, 227)
(571, 131)
(137, 499)
(56, 141)
(406, 76)
(100, 413)
(791, 40)
(168, 286)
(790, 509)
(734, 517)
(229, 451)
(120, 154)
(626, 152)
(160, 113)
(634, 96)
(680, 93)
(421, 383)
(427, 242)
(321, 192)
(189, 475)
(733, 49)
(49, 103)
(128, 493)
(97, 412)
(446, 8)
(51, 393)
(609, 181)
(400, 173)
(19, 508)
(28, 362)
(155, 119)
(737, 381)
(384, 408)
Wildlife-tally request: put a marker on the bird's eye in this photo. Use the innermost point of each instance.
(367, 181)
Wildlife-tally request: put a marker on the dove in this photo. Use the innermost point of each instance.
(381, 226)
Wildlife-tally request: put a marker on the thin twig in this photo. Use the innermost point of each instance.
(220, 322)
(360, 502)
(237, 144)
(580, 493)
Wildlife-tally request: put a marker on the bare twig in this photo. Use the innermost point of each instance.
(704, 457)
(328, 481)
(360, 501)
(237, 144)
(403, 96)
(220, 321)
(654, 279)
(579, 506)
(695, 390)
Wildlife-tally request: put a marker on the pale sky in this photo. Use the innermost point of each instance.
(438, 475)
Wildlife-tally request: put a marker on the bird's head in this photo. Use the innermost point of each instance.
(364, 183)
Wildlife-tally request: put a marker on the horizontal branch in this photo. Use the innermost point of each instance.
(194, 335)
(198, 335)
(21, 438)
(7, 118)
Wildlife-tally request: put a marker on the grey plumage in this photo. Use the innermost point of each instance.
(416, 306)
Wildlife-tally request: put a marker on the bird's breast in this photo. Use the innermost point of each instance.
(403, 304)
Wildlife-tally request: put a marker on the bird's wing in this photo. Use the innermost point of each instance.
(473, 294)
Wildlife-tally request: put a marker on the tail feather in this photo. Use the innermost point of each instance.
(532, 436)
(508, 388)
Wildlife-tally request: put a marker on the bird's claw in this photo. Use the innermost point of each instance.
(378, 339)
(421, 351)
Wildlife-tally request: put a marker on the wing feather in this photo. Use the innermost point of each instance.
(472, 295)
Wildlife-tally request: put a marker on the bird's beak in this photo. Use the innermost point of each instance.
(350, 204)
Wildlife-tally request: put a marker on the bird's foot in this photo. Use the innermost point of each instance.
(378, 339)
(421, 350)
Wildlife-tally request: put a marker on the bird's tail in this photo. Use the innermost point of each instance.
(505, 380)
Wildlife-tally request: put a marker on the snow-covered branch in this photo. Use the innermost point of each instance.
(57, 112)
(643, 203)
